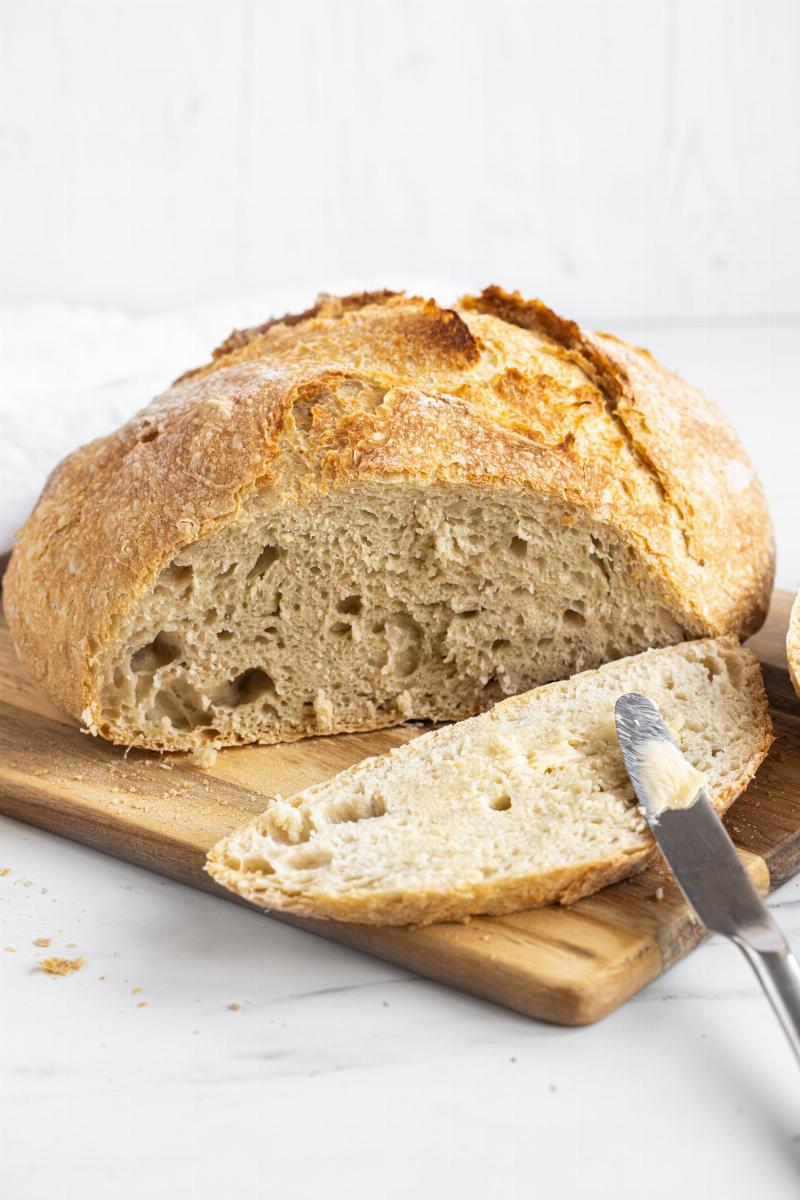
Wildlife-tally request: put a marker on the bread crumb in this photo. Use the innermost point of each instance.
(5, 871)
(43, 942)
(88, 720)
(659, 893)
(136, 991)
(142, 1004)
(204, 758)
(164, 766)
(234, 1007)
(71, 946)
(11, 949)
(62, 966)
(323, 711)
(44, 771)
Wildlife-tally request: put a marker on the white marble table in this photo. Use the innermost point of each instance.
(337, 1075)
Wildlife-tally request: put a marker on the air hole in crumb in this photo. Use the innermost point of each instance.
(712, 666)
(225, 635)
(500, 803)
(378, 627)
(518, 547)
(573, 618)
(340, 628)
(405, 644)
(350, 604)
(266, 558)
(182, 712)
(150, 435)
(356, 808)
(500, 644)
(177, 577)
(164, 649)
(255, 864)
(309, 858)
(735, 671)
(119, 678)
(252, 685)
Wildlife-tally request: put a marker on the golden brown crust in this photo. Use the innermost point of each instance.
(325, 306)
(498, 392)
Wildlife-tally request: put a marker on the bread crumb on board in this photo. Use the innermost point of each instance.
(88, 721)
(204, 758)
(234, 1007)
(10, 949)
(43, 942)
(5, 871)
(62, 966)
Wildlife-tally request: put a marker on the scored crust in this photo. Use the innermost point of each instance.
(484, 393)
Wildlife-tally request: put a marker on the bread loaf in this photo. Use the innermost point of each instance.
(522, 806)
(381, 509)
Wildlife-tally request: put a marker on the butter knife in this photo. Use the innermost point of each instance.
(702, 857)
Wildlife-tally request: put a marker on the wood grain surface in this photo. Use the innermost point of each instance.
(568, 965)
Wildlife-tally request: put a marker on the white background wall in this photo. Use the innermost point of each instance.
(636, 163)
(621, 158)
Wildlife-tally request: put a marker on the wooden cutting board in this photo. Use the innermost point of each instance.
(571, 965)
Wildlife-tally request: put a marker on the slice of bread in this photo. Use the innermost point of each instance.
(525, 805)
(793, 644)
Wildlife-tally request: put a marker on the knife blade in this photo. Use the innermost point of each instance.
(702, 857)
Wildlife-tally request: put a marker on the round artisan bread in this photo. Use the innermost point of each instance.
(382, 509)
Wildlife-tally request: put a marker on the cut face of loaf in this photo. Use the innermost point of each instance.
(372, 606)
(525, 805)
(382, 509)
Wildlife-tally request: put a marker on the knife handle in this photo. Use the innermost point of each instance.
(778, 973)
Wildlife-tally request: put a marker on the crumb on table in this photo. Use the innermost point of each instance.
(205, 757)
(43, 942)
(62, 966)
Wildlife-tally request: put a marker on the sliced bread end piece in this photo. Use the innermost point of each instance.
(793, 644)
(525, 805)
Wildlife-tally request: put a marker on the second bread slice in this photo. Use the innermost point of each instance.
(528, 804)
